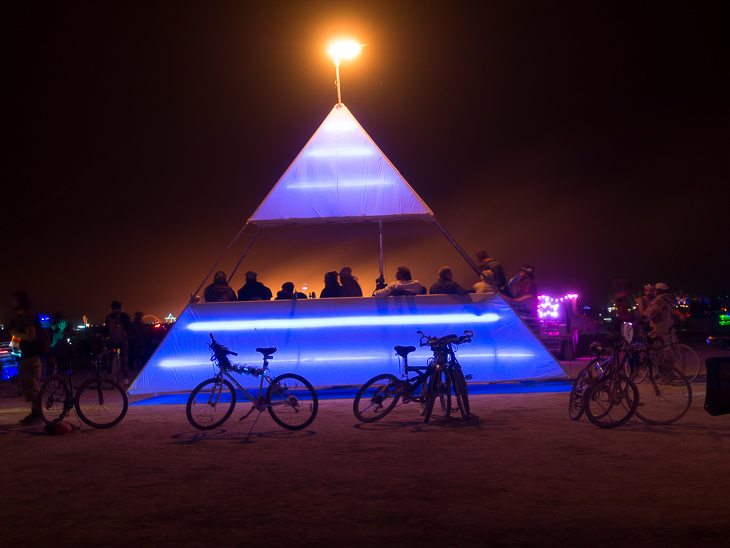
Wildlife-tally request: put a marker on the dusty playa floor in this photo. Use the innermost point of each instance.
(521, 474)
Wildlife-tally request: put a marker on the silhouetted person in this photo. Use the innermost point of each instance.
(524, 296)
(116, 329)
(332, 287)
(446, 284)
(350, 285)
(137, 341)
(219, 291)
(404, 284)
(288, 293)
(253, 290)
(59, 355)
(25, 329)
(485, 262)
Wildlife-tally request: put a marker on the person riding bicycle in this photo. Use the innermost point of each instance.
(662, 313)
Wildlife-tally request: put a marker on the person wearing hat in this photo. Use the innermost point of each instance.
(662, 313)
(219, 290)
(253, 290)
(350, 286)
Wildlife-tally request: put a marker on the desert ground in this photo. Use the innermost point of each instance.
(521, 473)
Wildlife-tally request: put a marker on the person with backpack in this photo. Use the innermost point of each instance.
(116, 330)
(26, 331)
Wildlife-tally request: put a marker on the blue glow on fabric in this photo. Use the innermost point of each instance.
(346, 341)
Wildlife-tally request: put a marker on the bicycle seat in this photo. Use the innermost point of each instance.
(404, 350)
(267, 351)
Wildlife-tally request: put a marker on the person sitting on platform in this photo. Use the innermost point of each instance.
(446, 284)
(287, 293)
(350, 286)
(486, 284)
(219, 290)
(403, 285)
(253, 290)
(332, 287)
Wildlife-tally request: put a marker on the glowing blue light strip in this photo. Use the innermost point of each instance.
(354, 321)
(204, 361)
(306, 185)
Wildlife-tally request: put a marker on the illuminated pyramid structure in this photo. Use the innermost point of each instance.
(341, 176)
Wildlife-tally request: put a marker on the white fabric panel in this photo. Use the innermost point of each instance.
(340, 176)
(346, 341)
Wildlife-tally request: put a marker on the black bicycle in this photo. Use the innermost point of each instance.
(290, 399)
(421, 384)
(99, 401)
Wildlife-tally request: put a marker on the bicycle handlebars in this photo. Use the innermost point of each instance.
(427, 340)
(217, 347)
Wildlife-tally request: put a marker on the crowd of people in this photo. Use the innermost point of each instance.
(520, 291)
(655, 307)
(55, 345)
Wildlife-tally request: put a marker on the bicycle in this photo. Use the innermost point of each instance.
(612, 398)
(585, 378)
(665, 394)
(378, 396)
(290, 399)
(99, 401)
(676, 354)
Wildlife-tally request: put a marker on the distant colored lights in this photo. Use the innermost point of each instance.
(549, 307)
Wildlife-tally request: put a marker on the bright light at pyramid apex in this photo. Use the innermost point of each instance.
(345, 50)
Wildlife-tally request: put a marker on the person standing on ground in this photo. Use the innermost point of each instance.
(254, 290)
(350, 285)
(25, 327)
(446, 284)
(137, 341)
(219, 290)
(662, 313)
(643, 302)
(116, 328)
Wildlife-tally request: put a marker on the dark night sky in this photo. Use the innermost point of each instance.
(589, 139)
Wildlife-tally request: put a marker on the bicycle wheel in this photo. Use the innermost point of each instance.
(581, 384)
(444, 392)
(292, 401)
(610, 402)
(660, 402)
(685, 359)
(438, 386)
(101, 403)
(461, 393)
(376, 398)
(211, 403)
(53, 397)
